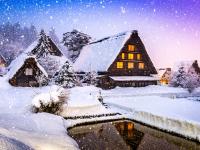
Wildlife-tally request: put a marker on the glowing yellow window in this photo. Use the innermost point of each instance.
(130, 126)
(131, 47)
(139, 57)
(130, 65)
(130, 56)
(123, 56)
(141, 66)
(120, 65)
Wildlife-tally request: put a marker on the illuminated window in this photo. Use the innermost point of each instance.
(130, 126)
(139, 57)
(123, 56)
(120, 65)
(29, 71)
(141, 66)
(131, 47)
(130, 56)
(130, 65)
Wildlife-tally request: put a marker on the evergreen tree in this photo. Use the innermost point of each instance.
(90, 78)
(186, 77)
(66, 77)
(74, 41)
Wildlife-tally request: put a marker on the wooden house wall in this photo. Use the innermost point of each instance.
(139, 49)
(23, 80)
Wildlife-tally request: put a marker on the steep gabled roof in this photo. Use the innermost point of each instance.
(45, 45)
(18, 63)
(47, 59)
(187, 65)
(99, 55)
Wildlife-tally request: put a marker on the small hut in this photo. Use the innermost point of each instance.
(28, 73)
(164, 75)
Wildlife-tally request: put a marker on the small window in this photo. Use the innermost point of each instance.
(29, 72)
(130, 56)
(131, 47)
(141, 66)
(120, 65)
(139, 57)
(130, 65)
(123, 56)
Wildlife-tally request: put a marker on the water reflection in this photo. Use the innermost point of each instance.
(126, 135)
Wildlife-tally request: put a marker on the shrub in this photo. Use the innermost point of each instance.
(51, 102)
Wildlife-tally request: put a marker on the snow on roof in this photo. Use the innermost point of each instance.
(18, 63)
(99, 55)
(186, 64)
(134, 78)
(161, 72)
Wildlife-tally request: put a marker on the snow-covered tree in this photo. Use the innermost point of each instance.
(14, 39)
(66, 77)
(192, 80)
(41, 79)
(178, 77)
(90, 78)
(186, 77)
(74, 41)
(50, 63)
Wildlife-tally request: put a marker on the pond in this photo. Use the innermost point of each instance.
(127, 135)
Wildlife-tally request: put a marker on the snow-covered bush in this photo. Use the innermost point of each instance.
(66, 77)
(90, 78)
(51, 102)
(186, 77)
(74, 41)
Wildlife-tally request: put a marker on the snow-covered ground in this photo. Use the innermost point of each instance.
(40, 131)
(156, 106)
(153, 105)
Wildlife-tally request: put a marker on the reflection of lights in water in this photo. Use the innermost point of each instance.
(124, 136)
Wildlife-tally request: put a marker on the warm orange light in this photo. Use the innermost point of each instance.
(130, 56)
(120, 65)
(131, 47)
(123, 56)
(139, 57)
(141, 66)
(130, 65)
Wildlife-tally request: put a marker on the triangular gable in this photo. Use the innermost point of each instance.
(46, 45)
(138, 49)
(101, 55)
(19, 64)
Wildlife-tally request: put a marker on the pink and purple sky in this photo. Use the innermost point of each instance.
(170, 29)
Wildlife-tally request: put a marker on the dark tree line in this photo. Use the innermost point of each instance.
(14, 38)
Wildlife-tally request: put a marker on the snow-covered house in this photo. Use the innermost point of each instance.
(48, 59)
(164, 75)
(28, 72)
(119, 60)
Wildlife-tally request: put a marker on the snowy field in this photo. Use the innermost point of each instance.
(153, 105)
(40, 131)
